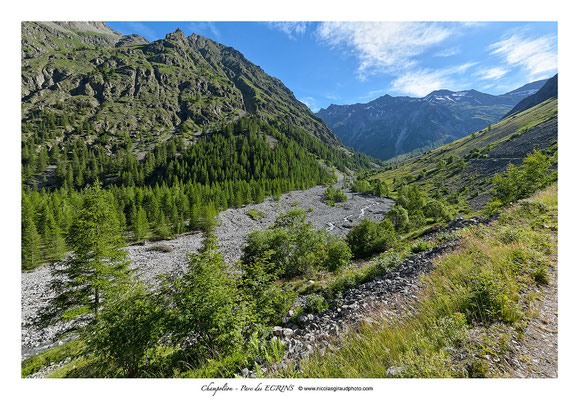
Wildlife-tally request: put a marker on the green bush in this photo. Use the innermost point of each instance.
(269, 300)
(370, 237)
(338, 255)
(126, 328)
(315, 304)
(387, 262)
(399, 217)
(294, 248)
(419, 246)
(519, 182)
(334, 195)
(207, 304)
(436, 210)
(256, 215)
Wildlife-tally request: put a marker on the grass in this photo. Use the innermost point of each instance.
(475, 300)
(255, 214)
(71, 349)
(430, 170)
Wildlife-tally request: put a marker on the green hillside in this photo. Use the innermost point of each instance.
(463, 169)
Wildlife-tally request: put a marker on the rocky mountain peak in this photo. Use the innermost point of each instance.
(177, 35)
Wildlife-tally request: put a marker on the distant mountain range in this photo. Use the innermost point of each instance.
(391, 126)
(547, 91)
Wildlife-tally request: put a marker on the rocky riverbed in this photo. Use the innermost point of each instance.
(151, 259)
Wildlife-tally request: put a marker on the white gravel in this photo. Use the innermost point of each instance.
(231, 233)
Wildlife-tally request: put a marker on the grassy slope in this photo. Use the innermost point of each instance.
(473, 304)
(424, 169)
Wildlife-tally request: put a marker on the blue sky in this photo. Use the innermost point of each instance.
(356, 62)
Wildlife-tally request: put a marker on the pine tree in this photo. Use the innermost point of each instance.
(97, 263)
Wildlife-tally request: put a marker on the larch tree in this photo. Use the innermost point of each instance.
(30, 256)
(97, 264)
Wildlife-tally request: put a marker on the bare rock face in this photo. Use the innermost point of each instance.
(190, 83)
(41, 37)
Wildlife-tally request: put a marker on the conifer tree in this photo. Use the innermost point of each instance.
(97, 264)
(140, 223)
(54, 245)
(30, 255)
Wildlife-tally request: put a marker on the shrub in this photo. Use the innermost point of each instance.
(206, 304)
(387, 262)
(126, 329)
(419, 246)
(256, 215)
(417, 220)
(269, 301)
(334, 195)
(399, 217)
(315, 304)
(370, 237)
(294, 248)
(338, 255)
(518, 182)
(436, 210)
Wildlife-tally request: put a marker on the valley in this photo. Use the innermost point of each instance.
(153, 258)
(185, 215)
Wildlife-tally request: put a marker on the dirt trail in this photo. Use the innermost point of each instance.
(536, 354)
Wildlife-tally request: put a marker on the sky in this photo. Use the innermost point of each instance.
(349, 62)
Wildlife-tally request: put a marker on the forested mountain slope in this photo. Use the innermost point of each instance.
(175, 130)
(102, 81)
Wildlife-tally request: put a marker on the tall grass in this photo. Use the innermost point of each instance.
(480, 287)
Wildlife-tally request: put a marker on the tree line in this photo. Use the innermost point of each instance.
(175, 188)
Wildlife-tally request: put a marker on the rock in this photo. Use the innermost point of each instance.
(245, 372)
(393, 371)
(277, 331)
(287, 332)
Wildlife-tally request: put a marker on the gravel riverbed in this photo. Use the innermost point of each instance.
(231, 233)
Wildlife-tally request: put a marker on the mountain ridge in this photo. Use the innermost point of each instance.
(390, 126)
(187, 83)
(548, 90)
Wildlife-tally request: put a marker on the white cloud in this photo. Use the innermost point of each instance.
(383, 46)
(143, 30)
(537, 56)
(311, 103)
(291, 29)
(491, 73)
(419, 83)
(452, 51)
(204, 27)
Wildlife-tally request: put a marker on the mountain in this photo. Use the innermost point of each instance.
(548, 90)
(174, 131)
(463, 169)
(390, 126)
(126, 85)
